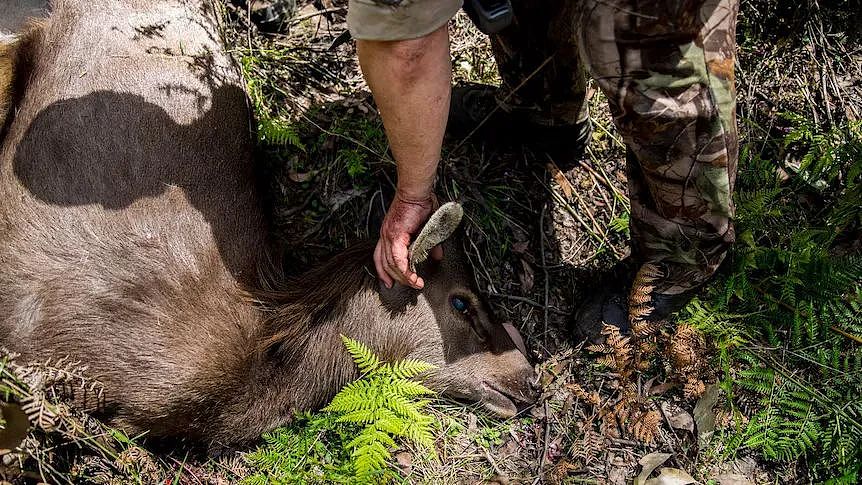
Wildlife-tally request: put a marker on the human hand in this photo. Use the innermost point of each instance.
(404, 219)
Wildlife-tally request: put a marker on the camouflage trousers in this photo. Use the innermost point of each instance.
(667, 69)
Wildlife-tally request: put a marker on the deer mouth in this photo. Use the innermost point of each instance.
(502, 402)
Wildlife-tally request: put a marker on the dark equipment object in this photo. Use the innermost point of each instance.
(490, 16)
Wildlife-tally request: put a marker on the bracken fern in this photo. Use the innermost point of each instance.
(351, 440)
(787, 315)
(384, 402)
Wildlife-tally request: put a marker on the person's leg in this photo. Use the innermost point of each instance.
(542, 97)
(666, 67)
(537, 57)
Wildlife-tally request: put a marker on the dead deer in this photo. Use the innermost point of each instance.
(133, 239)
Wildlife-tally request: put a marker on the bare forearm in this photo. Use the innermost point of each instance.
(411, 83)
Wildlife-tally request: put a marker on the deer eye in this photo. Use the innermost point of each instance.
(460, 304)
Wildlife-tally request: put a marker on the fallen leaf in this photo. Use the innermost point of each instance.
(671, 476)
(704, 417)
(649, 463)
(498, 480)
(732, 479)
(509, 448)
(404, 460)
(561, 179)
(648, 385)
(678, 417)
(661, 388)
(617, 475)
(15, 427)
(472, 423)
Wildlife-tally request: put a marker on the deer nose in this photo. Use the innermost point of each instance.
(528, 387)
(532, 390)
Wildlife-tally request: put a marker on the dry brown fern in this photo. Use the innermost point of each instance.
(686, 354)
(618, 351)
(61, 380)
(588, 397)
(589, 448)
(136, 461)
(644, 328)
(694, 388)
(39, 388)
(647, 347)
(559, 472)
(646, 427)
(623, 410)
(640, 299)
(608, 425)
(599, 348)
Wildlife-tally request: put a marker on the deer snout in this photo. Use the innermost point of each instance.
(511, 387)
(522, 385)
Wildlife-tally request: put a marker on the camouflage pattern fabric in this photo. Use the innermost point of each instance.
(542, 40)
(666, 67)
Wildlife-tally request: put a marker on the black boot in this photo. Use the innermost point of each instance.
(475, 112)
(615, 304)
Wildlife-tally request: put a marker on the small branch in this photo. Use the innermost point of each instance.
(527, 301)
(544, 457)
(544, 270)
(299, 19)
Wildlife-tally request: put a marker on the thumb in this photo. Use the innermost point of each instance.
(437, 252)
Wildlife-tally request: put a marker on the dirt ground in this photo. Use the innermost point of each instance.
(539, 240)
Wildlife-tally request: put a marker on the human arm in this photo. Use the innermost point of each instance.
(411, 84)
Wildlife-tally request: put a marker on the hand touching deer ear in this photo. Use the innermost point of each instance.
(393, 259)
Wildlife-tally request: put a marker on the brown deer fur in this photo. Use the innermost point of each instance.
(132, 235)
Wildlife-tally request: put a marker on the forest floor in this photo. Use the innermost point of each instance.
(539, 239)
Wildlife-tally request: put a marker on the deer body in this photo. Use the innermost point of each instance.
(132, 237)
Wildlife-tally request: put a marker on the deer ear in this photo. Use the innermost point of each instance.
(439, 227)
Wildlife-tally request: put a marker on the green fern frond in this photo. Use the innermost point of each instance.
(412, 389)
(385, 404)
(358, 429)
(409, 368)
(355, 396)
(757, 379)
(362, 355)
(277, 131)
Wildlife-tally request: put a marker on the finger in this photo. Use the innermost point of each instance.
(414, 280)
(395, 270)
(378, 266)
(389, 264)
(395, 275)
(437, 252)
(400, 256)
